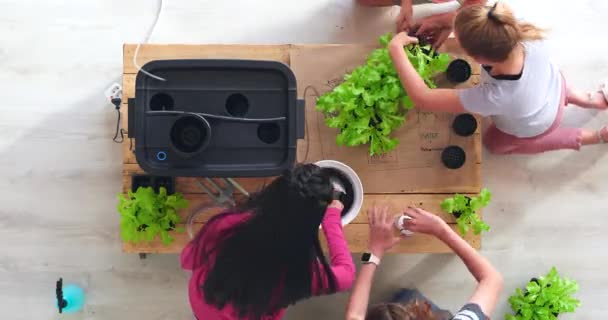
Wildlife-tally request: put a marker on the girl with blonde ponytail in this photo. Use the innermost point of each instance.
(521, 90)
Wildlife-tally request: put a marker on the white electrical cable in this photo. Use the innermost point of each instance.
(158, 11)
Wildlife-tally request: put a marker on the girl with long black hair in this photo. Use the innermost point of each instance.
(254, 261)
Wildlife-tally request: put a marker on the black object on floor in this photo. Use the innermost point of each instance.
(153, 181)
(464, 124)
(453, 157)
(458, 71)
(216, 118)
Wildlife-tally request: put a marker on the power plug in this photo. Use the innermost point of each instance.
(114, 94)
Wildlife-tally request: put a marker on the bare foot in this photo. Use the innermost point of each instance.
(603, 134)
(597, 100)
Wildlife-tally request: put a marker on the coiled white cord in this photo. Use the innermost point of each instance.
(139, 69)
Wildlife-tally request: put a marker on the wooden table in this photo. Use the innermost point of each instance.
(423, 195)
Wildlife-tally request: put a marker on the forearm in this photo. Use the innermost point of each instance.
(359, 298)
(413, 84)
(466, 3)
(340, 258)
(479, 266)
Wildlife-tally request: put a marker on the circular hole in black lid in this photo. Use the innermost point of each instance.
(161, 102)
(237, 105)
(269, 132)
(453, 157)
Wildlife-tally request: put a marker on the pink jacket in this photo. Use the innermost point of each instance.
(340, 260)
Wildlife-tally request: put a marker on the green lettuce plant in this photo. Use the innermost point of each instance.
(371, 102)
(465, 210)
(144, 214)
(544, 298)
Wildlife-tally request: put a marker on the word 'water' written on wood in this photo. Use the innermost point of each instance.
(390, 157)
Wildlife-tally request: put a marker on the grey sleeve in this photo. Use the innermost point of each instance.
(470, 311)
(484, 99)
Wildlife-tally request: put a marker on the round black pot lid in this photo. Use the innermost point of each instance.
(459, 71)
(464, 124)
(453, 157)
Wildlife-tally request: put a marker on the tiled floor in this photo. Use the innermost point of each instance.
(60, 171)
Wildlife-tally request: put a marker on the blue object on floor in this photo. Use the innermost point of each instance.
(69, 299)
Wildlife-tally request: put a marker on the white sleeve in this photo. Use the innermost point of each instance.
(484, 99)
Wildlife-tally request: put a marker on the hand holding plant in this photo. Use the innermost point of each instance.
(371, 103)
(402, 39)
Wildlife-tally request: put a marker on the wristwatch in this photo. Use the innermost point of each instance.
(369, 257)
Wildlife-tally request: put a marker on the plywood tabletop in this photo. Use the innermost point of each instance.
(426, 191)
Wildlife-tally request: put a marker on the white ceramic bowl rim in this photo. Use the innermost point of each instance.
(357, 187)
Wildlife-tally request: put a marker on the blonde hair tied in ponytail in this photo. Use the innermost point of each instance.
(492, 32)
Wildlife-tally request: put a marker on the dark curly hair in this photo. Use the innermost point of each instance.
(266, 263)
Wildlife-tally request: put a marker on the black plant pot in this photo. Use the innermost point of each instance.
(464, 124)
(526, 293)
(453, 157)
(144, 226)
(459, 71)
(153, 181)
(457, 214)
(141, 181)
(167, 182)
(347, 198)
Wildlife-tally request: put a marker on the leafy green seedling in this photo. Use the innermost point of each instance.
(544, 298)
(465, 210)
(145, 214)
(371, 103)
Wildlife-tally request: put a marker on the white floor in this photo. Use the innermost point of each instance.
(60, 171)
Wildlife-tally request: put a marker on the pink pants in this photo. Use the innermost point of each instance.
(554, 138)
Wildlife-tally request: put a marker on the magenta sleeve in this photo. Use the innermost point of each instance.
(341, 260)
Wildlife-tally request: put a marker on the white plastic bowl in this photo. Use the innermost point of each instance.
(352, 176)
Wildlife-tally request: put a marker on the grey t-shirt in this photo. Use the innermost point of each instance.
(470, 311)
(523, 106)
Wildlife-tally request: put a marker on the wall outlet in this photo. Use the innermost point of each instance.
(113, 92)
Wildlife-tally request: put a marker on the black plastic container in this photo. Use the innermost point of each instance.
(453, 157)
(464, 124)
(458, 71)
(216, 118)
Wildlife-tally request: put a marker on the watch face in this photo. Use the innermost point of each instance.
(366, 256)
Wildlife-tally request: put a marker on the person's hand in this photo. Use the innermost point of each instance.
(336, 204)
(381, 230)
(435, 38)
(405, 18)
(440, 37)
(424, 222)
(435, 29)
(402, 40)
